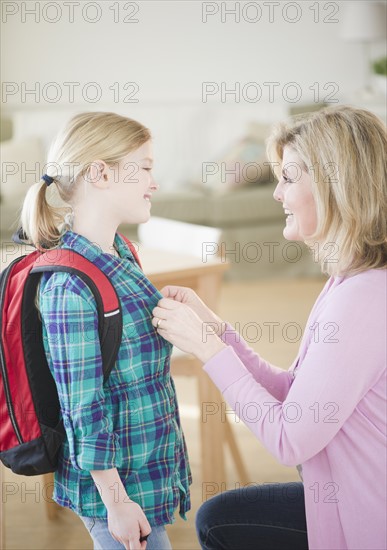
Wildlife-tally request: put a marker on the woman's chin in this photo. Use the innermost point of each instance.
(291, 234)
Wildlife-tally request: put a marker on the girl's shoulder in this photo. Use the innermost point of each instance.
(64, 286)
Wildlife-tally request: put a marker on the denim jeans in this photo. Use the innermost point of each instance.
(99, 532)
(257, 517)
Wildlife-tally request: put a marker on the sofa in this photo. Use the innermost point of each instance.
(251, 224)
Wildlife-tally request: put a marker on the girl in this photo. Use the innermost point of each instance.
(327, 413)
(123, 467)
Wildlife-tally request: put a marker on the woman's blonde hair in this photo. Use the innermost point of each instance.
(87, 137)
(344, 151)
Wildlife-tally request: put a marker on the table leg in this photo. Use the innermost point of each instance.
(212, 436)
(216, 430)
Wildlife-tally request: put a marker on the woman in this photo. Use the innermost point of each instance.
(123, 467)
(327, 413)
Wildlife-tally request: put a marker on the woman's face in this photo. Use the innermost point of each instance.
(135, 185)
(294, 190)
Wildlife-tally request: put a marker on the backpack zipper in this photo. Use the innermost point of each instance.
(11, 411)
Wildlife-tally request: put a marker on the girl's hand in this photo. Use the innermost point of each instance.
(180, 325)
(186, 295)
(127, 523)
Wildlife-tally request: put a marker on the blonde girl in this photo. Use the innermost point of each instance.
(123, 467)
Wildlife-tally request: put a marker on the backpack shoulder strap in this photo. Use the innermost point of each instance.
(108, 303)
(132, 248)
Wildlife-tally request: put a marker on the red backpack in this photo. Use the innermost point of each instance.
(31, 430)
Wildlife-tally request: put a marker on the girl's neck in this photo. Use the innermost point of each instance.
(97, 233)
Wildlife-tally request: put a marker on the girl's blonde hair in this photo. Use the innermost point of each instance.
(87, 137)
(344, 151)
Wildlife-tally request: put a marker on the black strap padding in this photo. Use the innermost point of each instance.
(109, 328)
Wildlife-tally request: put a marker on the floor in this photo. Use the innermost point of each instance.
(271, 315)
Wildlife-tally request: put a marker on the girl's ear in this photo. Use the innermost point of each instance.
(97, 173)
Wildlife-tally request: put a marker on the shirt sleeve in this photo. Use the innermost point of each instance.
(277, 381)
(342, 363)
(71, 342)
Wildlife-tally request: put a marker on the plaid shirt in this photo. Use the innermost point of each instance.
(132, 422)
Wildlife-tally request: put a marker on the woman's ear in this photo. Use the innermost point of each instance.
(97, 174)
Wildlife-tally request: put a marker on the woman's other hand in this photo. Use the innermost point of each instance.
(186, 295)
(179, 324)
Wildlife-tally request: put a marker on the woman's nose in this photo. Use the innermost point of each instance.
(278, 192)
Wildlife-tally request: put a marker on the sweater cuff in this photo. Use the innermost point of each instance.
(225, 368)
(230, 336)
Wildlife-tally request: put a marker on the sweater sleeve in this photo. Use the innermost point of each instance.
(342, 363)
(277, 381)
(71, 342)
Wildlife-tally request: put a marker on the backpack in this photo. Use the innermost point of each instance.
(31, 429)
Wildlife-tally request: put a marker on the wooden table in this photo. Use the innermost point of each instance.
(166, 268)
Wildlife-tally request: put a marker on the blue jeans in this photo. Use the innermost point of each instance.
(99, 532)
(257, 517)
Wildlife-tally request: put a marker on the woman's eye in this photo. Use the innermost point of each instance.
(148, 169)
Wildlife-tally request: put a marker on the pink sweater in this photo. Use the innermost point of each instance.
(329, 415)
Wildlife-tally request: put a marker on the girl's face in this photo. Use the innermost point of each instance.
(294, 190)
(134, 185)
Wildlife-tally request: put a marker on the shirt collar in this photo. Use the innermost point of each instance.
(91, 250)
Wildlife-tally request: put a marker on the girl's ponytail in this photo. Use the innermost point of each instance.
(41, 221)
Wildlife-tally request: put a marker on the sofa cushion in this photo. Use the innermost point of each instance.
(247, 206)
(244, 163)
(188, 205)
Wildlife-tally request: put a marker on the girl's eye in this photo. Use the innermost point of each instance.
(148, 169)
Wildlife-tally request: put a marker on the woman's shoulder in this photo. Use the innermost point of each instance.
(361, 295)
(372, 282)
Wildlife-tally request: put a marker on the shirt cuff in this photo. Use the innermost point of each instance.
(98, 452)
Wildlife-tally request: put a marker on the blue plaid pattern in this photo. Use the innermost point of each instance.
(132, 422)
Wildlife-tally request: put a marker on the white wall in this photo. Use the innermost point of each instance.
(169, 53)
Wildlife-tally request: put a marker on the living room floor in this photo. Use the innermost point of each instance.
(271, 315)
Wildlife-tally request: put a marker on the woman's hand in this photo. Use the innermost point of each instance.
(179, 324)
(186, 295)
(127, 523)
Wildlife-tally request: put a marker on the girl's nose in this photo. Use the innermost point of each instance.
(154, 185)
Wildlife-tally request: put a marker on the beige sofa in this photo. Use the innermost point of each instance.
(251, 222)
(250, 219)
